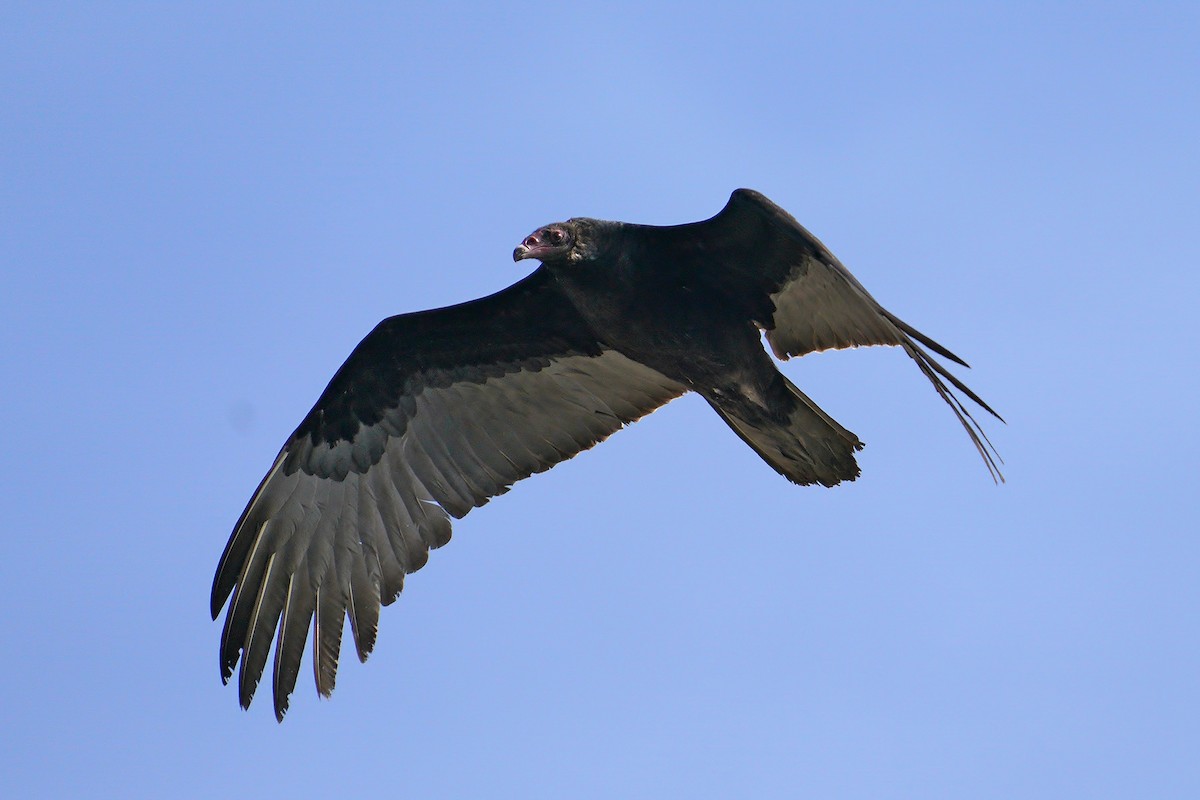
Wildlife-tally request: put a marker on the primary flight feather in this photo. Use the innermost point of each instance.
(436, 412)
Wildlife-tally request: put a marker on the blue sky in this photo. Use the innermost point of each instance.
(204, 208)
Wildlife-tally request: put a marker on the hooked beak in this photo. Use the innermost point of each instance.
(532, 246)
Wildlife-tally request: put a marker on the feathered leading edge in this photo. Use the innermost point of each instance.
(432, 415)
(802, 296)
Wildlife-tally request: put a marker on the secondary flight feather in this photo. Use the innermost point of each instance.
(436, 412)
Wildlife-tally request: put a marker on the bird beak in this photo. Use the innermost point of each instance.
(531, 246)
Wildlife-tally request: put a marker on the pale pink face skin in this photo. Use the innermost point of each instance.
(547, 241)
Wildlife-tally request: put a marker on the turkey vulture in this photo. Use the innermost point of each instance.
(436, 412)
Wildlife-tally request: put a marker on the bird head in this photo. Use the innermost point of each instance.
(550, 243)
(569, 242)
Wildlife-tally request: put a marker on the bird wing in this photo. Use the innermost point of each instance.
(431, 415)
(759, 257)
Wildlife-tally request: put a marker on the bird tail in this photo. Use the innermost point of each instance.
(799, 440)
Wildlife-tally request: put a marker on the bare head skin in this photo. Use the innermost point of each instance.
(551, 243)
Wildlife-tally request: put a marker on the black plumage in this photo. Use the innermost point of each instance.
(436, 412)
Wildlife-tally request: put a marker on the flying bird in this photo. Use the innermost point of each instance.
(436, 412)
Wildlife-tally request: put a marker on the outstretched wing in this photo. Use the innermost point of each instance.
(431, 415)
(789, 283)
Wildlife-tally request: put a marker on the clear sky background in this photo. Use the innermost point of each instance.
(204, 207)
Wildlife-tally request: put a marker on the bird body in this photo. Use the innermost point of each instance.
(438, 411)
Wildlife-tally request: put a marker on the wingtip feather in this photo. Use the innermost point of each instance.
(983, 445)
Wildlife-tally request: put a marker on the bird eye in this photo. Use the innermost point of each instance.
(556, 236)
